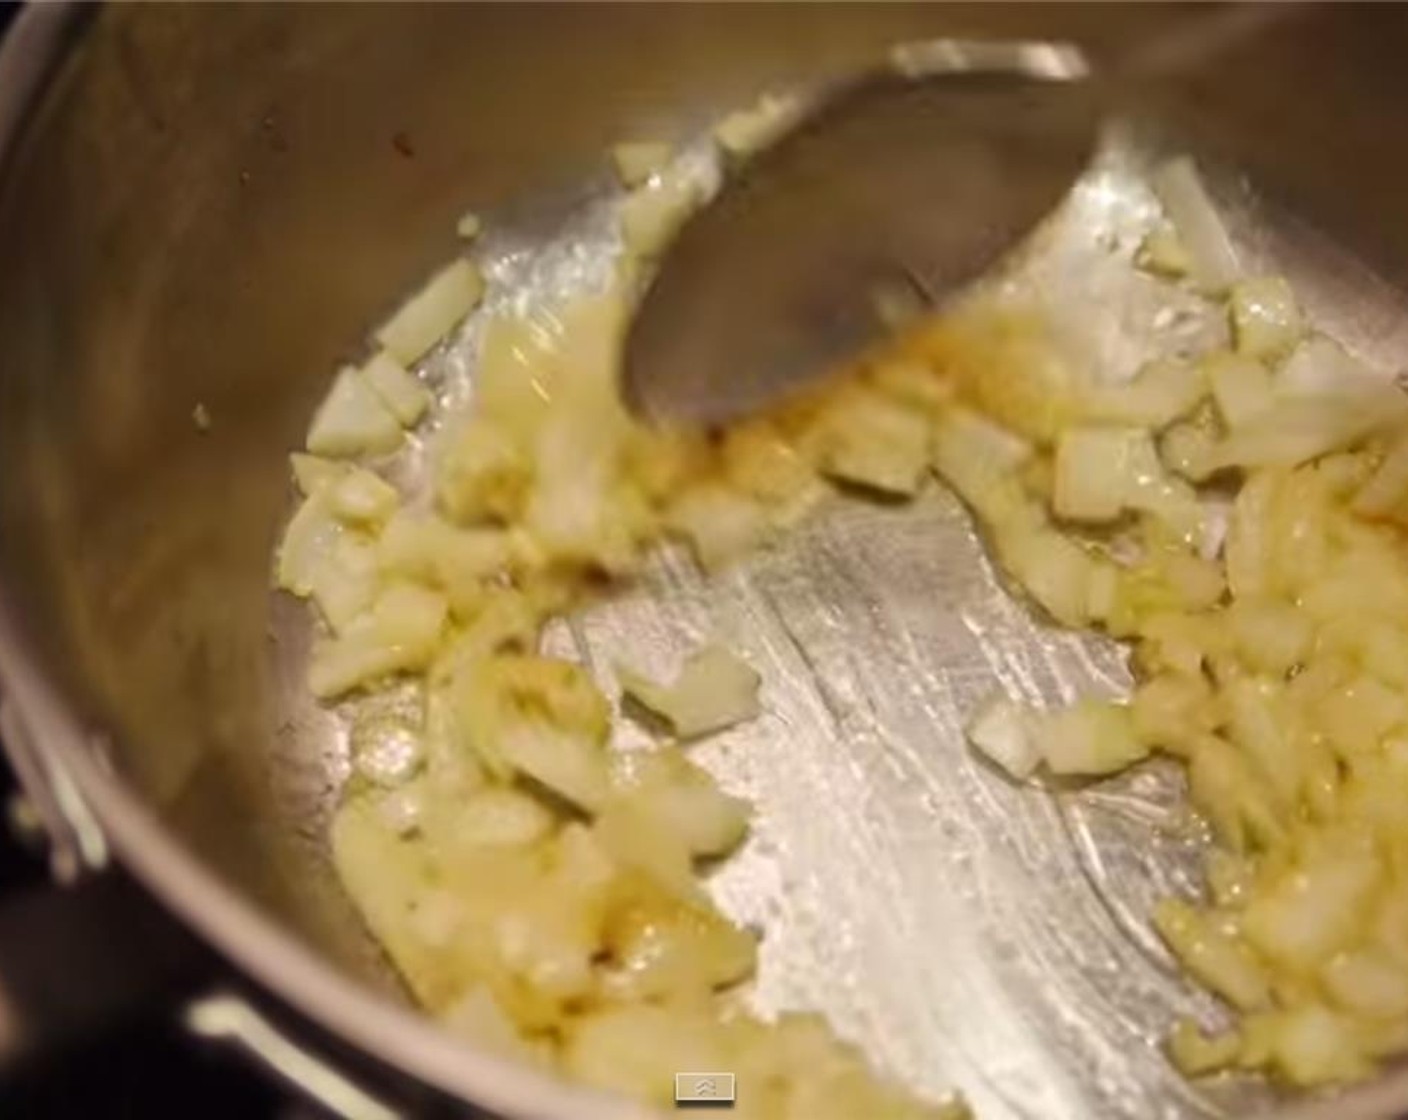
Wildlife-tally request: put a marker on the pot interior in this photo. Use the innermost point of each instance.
(212, 205)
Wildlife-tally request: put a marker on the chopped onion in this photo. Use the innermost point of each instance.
(399, 634)
(1196, 1054)
(494, 817)
(1162, 392)
(746, 130)
(1161, 252)
(361, 497)
(311, 473)
(469, 225)
(720, 524)
(1320, 365)
(352, 420)
(1199, 228)
(1385, 493)
(430, 314)
(1095, 472)
(405, 397)
(1266, 322)
(1298, 429)
(715, 689)
(1241, 386)
(1224, 965)
(1189, 450)
(654, 211)
(871, 440)
(685, 799)
(1001, 731)
(1088, 738)
(637, 160)
(1313, 911)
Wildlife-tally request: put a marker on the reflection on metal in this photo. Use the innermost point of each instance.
(230, 1019)
(76, 840)
(1050, 61)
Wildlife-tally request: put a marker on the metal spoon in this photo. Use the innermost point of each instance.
(911, 181)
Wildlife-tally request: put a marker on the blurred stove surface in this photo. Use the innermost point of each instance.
(149, 1070)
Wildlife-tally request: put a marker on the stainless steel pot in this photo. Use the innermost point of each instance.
(208, 204)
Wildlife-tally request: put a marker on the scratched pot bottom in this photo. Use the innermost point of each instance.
(966, 931)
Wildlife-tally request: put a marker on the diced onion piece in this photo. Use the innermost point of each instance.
(1196, 1054)
(1090, 737)
(388, 879)
(570, 765)
(636, 1048)
(1313, 911)
(484, 473)
(662, 948)
(871, 440)
(1102, 471)
(1222, 784)
(654, 211)
(1357, 715)
(744, 131)
(763, 463)
(400, 809)
(311, 473)
(399, 634)
(403, 395)
(345, 584)
(352, 420)
(536, 714)
(1315, 1046)
(430, 314)
(719, 523)
(914, 383)
(1385, 493)
(306, 545)
(996, 446)
(1241, 386)
(362, 497)
(637, 160)
(1189, 450)
(1001, 731)
(686, 800)
(1215, 960)
(1298, 429)
(459, 562)
(1171, 707)
(715, 689)
(1051, 568)
(1196, 221)
(1266, 322)
(1095, 472)
(469, 225)
(1162, 253)
(978, 459)
(1162, 392)
(1271, 635)
(494, 817)
(637, 838)
(1320, 365)
(1368, 982)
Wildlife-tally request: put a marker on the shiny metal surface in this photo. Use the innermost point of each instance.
(908, 182)
(210, 209)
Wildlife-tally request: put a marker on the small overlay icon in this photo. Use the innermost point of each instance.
(704, 1090)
